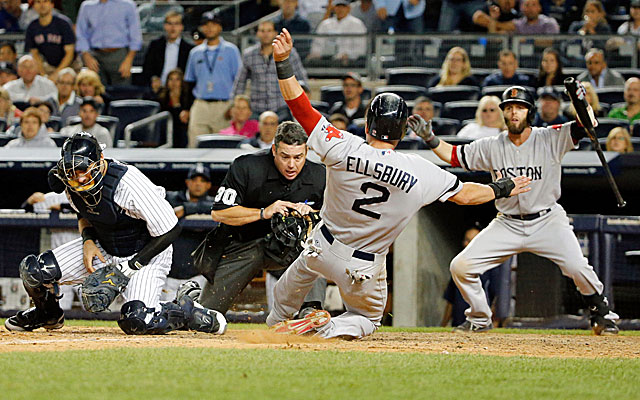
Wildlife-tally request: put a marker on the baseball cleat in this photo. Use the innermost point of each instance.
(189, 288)
(468, 326)
(314, 320)
(603, 326)
(33, 318)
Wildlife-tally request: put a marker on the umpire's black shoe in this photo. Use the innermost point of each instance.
(468, 326)
(33, 318)
(603, 326)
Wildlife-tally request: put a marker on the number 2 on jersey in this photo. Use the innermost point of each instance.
(358, 203)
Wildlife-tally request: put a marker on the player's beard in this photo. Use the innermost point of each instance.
(516, 129)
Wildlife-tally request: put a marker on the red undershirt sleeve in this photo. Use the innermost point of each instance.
(304, 113)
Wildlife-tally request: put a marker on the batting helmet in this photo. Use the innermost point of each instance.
(387, 117)
(520, 95)
(81, 156)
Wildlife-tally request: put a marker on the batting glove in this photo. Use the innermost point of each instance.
(423, 129)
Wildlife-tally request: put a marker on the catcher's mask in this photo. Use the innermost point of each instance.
(80, 167)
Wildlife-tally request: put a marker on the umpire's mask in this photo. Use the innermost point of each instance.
(80, 167)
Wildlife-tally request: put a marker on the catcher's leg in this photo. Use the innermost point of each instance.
(40, 276)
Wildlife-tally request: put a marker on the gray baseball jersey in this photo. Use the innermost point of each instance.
(539, 158)
(371, 194)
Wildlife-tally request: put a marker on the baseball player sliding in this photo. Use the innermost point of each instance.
(371, 194)
(127, 229)
(532, 221)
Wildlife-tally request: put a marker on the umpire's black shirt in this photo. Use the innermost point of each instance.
(253, 181)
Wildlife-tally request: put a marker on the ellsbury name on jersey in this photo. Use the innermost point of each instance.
(535, 173)
(382, 172)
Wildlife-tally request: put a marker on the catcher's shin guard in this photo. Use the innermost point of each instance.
(202, 319)
(601, 317)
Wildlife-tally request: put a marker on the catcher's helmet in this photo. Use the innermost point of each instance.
(518, 94)
(81, 156)
(387, 117)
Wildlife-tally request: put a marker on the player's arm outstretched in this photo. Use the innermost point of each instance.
(471, 193)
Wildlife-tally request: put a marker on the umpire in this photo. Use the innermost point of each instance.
(193, 200)
(257, 186)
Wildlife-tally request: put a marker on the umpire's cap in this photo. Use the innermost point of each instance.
(520, 95)
(387, 117)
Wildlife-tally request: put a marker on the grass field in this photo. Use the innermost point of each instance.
(295, 372)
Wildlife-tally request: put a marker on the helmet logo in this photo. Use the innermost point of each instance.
(514, 92)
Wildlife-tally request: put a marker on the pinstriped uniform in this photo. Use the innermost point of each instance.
(139, 198)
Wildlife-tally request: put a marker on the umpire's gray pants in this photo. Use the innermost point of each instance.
(109, 64)
(240, 263)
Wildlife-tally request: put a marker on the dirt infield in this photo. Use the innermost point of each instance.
(498, 344)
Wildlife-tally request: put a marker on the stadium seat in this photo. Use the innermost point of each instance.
(54, 123)
(409, 144)
(128, 111)
(218, 141)
(605, 125)
(58, 138)
(499, 89)
(410, 76)
(481, 73)
(585, 144)
(628, 72)
(321, 106)
(532, 73)
(611, 94)
(407, 92)
(572, 72)
(444, 94)
(3, 124)
(21, 105)
(635, 142)
(107, 121)
(460, 110)
(333, 94)
(616, 105)
(4, 138)
(635, 129)
(126, 92)
(445, 126)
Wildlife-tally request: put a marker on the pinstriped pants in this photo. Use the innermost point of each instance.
(146, 285)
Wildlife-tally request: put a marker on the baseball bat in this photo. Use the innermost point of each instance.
(578, 99)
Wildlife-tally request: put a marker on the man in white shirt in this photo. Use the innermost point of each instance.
(31, 87)
(342, 23)
(88, 115)
(268, 124)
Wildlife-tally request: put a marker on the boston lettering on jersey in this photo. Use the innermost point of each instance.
(535, 172)
(382, 172)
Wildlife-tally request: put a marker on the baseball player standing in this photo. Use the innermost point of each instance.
(533, 221)
(125, 222)
(371, 194)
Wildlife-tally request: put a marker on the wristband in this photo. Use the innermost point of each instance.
(284, 69)
(502, 187)
(433, 142)
(89, 233)
(261, 213)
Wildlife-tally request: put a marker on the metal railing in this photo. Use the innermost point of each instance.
(150, 121)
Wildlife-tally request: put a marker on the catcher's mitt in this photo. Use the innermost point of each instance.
(101, 288)
(289, 232)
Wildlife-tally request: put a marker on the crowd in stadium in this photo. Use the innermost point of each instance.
(78, 57)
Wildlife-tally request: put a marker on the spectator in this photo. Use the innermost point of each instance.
(423, 106)
(33, 133)
(166, 53)
(10, 14)
(67, 102)
(173, 98)
(108, 37)
(240, 113)
(456, 70)
(46, 109)
(352, 107)
(619, 140)
(507, 75)
(89, 112)
(211, 69)
(343, 23)
(267, 126)
(533, 22)
(365, 11)
(194, 200)
(631, 27)
(496, 17)
(594, 21)
(339, 121)
(50, 40)
(550, 105)
(290, 19)
(88, 84)
(8, 73)
(597, 72)
(550, 72)
(631, 110)
(8, 53)
(489, 120)
(31, 87)
(314, 11)
(457, 13)
(8, 111)
(592, 99)
(259, 67)
(400, 15)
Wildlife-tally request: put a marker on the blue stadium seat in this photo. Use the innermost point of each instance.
(126, 92)
(417, 76)
(444, 94)
(481, 73)
(321, 106)
(611, 94)
(445, 126)
(128, 111)
(54, 123)
(605, 125)
(407, 92)
(215, 140)
(460, 110)
(333, 94)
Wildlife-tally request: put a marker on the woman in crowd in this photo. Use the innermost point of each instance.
(489, 120)
(8, 111)
(550, 72)
(240, 113)
(456, 70)
(619, 140)
(33, 133)
(173, 98)
(594, 21)
(88, 84)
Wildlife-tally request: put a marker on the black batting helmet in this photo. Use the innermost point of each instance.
(81, 155)
(387, 117)
(518, 94)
